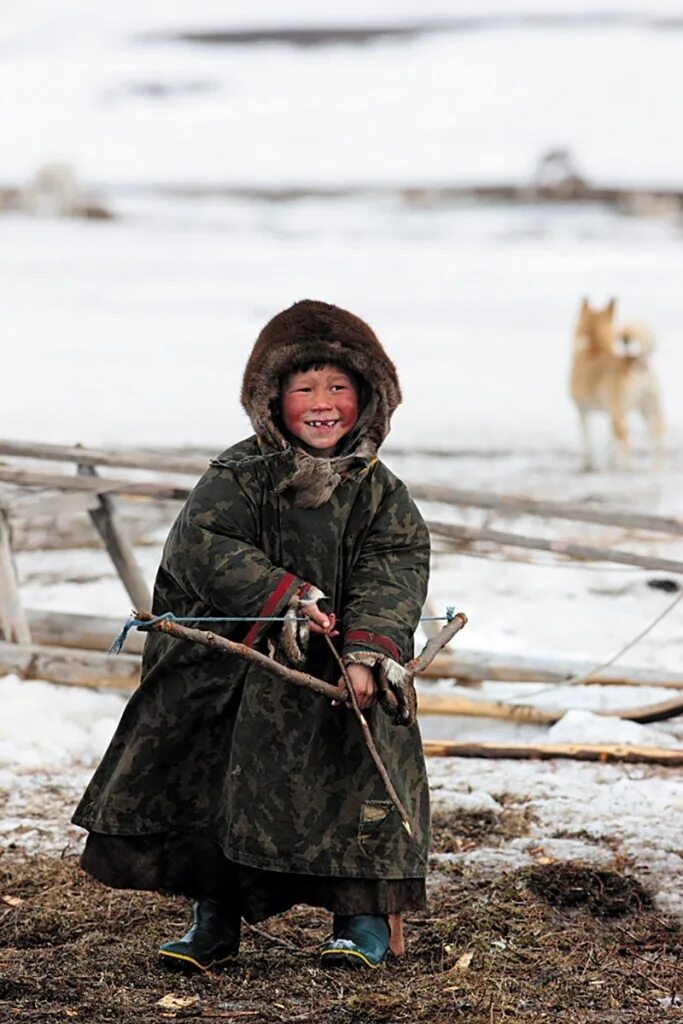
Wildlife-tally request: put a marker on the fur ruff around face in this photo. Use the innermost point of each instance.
(312, 332)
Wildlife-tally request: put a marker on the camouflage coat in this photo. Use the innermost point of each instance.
(214, 746)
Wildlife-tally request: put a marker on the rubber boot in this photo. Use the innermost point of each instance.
(213, 939)
(359, 941)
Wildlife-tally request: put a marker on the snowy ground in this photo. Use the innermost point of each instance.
(135, 332)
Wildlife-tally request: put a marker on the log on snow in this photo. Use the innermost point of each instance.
(520, 504)
(468, 707)
(478, 666)
(582, 552)
(71, 667)
(605, 752)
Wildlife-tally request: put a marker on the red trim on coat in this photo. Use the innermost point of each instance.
(365, 636)
(269, 607)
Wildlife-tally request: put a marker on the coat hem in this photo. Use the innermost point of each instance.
(283, 865)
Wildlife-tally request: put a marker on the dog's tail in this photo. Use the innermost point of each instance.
(636, 341)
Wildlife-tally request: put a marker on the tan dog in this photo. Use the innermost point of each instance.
(611, 373)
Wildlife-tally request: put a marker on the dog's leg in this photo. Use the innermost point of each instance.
(654, 420)
(586, 443)
(621, 447)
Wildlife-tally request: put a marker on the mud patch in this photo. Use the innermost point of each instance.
(456, 831)
(603, 893)
(459, 831)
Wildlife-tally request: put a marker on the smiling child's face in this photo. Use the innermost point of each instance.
(319, 407)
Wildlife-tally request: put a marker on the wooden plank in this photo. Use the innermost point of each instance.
(64, 482)
(469, 707)
(71, 667)
(188, 465)
(13, 622)
(519, 504)
(53, 504)
(476, 666)
(604, 752)
(582, 552)
(118, 546)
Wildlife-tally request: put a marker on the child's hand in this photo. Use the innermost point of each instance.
(320, 622)
(363, 683)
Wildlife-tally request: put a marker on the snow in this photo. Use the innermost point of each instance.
(585, 727)
(174, 294)
(615, 811)
(50, 726)
(452, 106)
(109, 329)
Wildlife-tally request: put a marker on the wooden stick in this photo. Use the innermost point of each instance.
(583, 552)
(370, 743)
(436, 643)
(520, 504)
(118, 545)
(606, 752)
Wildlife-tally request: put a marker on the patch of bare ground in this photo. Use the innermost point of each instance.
(458, 831)
(561, 943)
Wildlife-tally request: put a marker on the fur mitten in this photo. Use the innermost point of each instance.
(291, 645)
(395, 687)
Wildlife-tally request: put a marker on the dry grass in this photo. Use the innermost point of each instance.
(554, 943)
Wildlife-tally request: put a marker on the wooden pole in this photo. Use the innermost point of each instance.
(118, 545)
(584, 552)
(605, 752)
(13, 621)
(520, 504)
(125, 458)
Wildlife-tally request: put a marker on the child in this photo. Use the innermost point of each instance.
(223, 783)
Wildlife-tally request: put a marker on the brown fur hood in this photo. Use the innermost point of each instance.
(318, 332)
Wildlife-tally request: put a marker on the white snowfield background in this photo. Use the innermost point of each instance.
(136, 331)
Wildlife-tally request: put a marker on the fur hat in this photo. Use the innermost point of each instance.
(312, 332)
